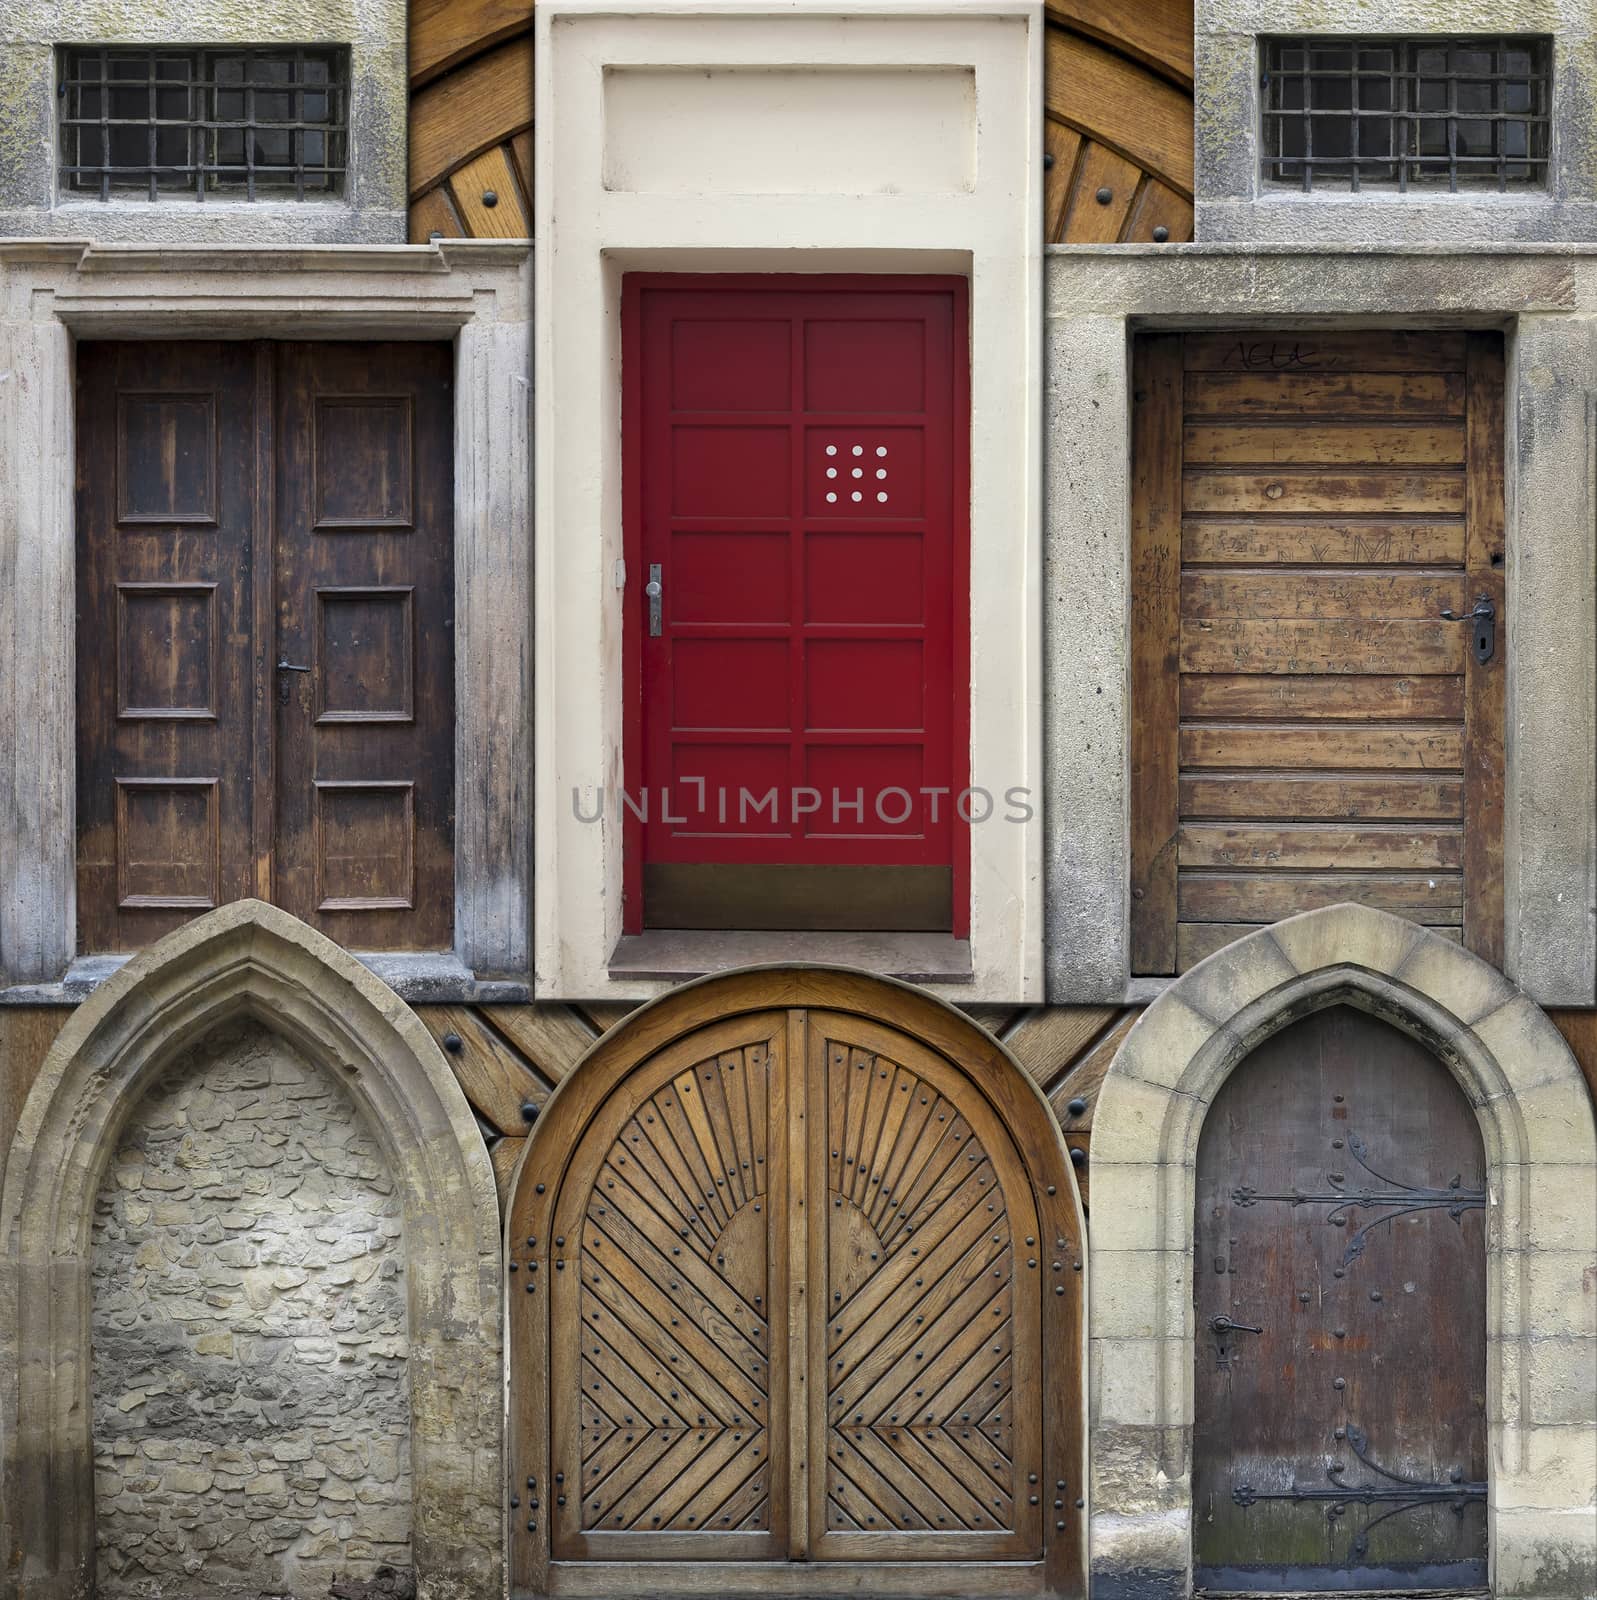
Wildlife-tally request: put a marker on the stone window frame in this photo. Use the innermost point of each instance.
(1234, 203)
(248, 959)
(1538, 297)
(1536, 1122)
(475, 294)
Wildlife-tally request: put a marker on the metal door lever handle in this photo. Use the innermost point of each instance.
(1226, 1325)
(654, 588)
(290, 666)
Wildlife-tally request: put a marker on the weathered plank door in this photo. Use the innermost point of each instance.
(1309, 724)
(801, 1281)
(265, 652)
(797, 615)
(1340, 1293)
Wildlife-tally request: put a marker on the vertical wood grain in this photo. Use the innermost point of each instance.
(1155, 643)
(1484, 715)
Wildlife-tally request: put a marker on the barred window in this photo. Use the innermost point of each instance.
(1469, 113)
(245, 122)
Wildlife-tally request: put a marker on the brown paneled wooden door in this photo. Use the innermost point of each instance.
(1340, 1294)
(798, 1278)
(265, 655)
(1317, 713)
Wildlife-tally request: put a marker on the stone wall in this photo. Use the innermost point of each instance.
(251, 1403)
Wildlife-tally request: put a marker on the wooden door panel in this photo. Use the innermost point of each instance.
(794, 481)
(669, 1392)
(1305, 509)
(929, 1312)
(1340, 1213)
(365, 613)
(166, 530)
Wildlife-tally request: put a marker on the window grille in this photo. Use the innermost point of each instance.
(1471, 113)
(243, 122)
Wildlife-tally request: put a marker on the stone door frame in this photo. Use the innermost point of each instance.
(474, 294)
(248, 959)
(1536, 1121)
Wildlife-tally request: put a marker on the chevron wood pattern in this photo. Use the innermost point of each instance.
(921, 1300)
(675, 1247)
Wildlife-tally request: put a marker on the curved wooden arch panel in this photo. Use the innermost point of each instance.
(795, 1267)
(471, 111)
(1119, 122)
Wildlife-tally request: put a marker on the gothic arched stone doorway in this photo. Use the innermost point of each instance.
(795, 1284)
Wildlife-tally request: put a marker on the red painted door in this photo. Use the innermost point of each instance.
(797, 694)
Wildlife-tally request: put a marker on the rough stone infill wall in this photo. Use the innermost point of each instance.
(251, 1403)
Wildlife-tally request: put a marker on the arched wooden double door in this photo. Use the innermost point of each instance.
(795, 1276)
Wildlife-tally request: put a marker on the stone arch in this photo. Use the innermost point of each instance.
(1535, 1117)
(248, 959)
(1000, 1096)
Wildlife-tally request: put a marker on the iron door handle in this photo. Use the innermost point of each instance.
(1484, 616)
(291, 666)
(1226, 1325)
(654, 589)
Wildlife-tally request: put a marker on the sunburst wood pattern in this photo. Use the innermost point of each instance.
(471, 114)
(675, 1374)
(1119, 122)
(920, 1287)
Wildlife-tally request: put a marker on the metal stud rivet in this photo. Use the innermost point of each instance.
(1160, 234)
(1104, 195)
(1076, 1107)
(452, 1043)
(490, 198)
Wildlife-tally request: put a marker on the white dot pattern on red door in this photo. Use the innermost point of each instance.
(848, 475)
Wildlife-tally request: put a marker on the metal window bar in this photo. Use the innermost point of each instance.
(1326, 66)
(91, 81)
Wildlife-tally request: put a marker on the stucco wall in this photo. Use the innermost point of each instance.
(251, 1403)
(1234, 204)
(372, 208)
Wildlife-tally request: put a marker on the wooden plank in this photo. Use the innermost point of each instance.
(552, 1038)
(1062, 144)
(469, 111)
(1391, 798)
(1484, 714)
(1047, 1040)
(1158, 206)
(1085, 1078)
(603, 1015)
(1267, 897)
(26, 1034)
(1329, 846)
(434, 212)
(1309, 745)
(1438, 493)
(1118, 103)
(1375, 543)
(471, 186)
(1257, 595)
(444, 32)
(1156, 32)
(1155, 631)
(1197, 941)
(1292, 645)
(1344, 444)
(504, 1154)
(1089, 220)
(1235, 696)
(1357, 394)
(496, 1080)
(1365, 350)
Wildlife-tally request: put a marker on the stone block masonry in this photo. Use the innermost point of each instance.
(251, 1398)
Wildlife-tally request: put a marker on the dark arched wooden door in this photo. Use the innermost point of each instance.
(798, 1283)
(1339, 1284)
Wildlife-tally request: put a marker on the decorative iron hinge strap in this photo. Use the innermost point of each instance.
(1402, 1197)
